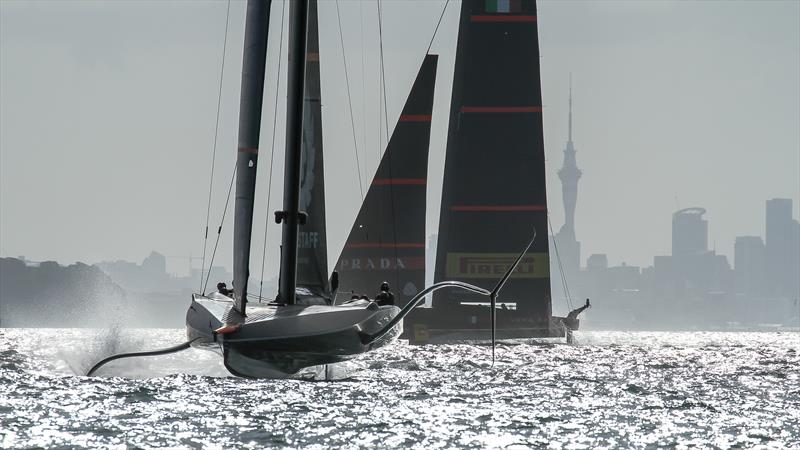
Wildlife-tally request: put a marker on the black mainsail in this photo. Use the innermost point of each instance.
(494, 181)
(312, 258)
(387, 241)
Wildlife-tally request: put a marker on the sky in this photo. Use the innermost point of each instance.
(108, 113)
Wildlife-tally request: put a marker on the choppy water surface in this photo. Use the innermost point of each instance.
(608, 390)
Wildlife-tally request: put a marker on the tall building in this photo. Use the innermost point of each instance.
(781, 248)
(692, 271)
(749, 263)
(689, 232)
(569, 249)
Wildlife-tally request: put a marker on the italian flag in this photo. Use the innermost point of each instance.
(503, 6)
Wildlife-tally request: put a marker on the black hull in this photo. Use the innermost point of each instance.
(472, 323)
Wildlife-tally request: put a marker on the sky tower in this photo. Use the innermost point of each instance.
(569, 248)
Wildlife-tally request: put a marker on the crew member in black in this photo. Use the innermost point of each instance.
(222, 288)
(574, 313)
(385, 297)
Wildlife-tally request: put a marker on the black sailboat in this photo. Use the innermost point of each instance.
(387, 241)
(494, 181)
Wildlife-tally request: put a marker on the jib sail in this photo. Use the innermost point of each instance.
(387, 241)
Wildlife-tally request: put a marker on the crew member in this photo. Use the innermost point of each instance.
(574, 313)
(385, 297)
(222, 288)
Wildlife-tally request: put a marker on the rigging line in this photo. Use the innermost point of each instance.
(349, 101)
(219, 230)
(363, 87)
(383, 73)
(435, 30)
(560, 267)
(216, 132)
(379, 148)
(380, 115)
(272, 154)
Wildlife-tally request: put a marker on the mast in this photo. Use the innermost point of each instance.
(254, 59)
(290, 216)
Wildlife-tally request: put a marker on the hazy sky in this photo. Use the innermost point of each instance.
(107, 116)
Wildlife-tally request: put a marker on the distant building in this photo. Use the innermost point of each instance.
(597, 262)
(749, 265)
(151, 275)
(155, 265)
(692, 271)
(794, 268)
(689, 232)
(595, 278)
(625, 277)
(781, 249)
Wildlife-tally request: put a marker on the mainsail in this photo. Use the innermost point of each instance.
(494, 181)
(387, 241)
(312, 264)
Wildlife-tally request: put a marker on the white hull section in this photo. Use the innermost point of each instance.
(287, 338)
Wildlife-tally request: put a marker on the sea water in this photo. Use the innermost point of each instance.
(607, 390)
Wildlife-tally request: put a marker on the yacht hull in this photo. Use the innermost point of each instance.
(281, 340)
(471, 323)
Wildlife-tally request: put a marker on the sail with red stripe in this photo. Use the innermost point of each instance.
(387, 241)
(494, 181)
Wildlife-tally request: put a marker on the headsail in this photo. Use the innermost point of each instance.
(255, 53)
(312, 254)
(494, 180)
(387, 241)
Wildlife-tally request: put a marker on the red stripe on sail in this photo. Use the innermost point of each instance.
(415, 118)
(400, 181)
(501, 109)
(253, 151)
(384, 245)
(503, 18)
(497, 208)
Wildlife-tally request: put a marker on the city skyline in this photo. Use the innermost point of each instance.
(123, 162)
